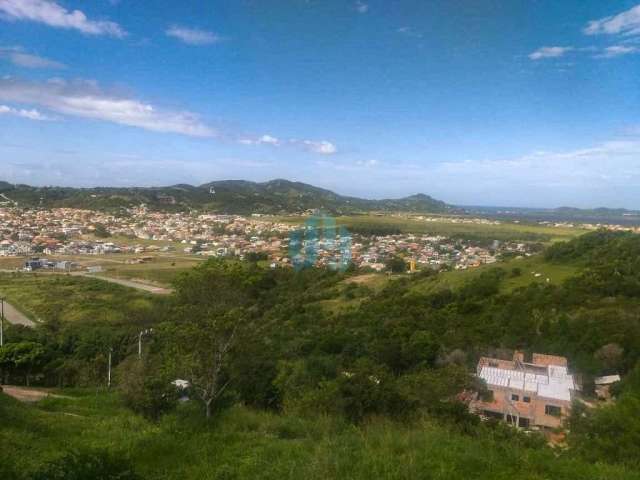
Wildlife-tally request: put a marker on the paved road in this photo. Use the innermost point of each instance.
(129, 283)
(15, 316)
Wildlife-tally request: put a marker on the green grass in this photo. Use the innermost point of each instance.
(533, 270)
(71, 299)
(246, 444)
(505, 231)
(162, 269)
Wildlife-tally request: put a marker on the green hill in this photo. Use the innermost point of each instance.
(226, 196)
(333, 375)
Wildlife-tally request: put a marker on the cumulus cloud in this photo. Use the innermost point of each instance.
(192, 36)
(86, 99)
(549, 52)
(52, 14)
(19, 112)
(625, 23)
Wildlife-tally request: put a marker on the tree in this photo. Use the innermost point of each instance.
(396, 264)
(101, 231)
(610, 355)
(21, 358)
(256, 256)
(215, 311)
(144, 388)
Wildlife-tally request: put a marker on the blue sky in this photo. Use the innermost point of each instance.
(484, 102)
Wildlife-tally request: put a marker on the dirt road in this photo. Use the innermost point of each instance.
(12, 315)
(129, 283)
(26, 394)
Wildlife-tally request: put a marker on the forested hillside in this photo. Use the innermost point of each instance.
(226, 196)
(301, 366)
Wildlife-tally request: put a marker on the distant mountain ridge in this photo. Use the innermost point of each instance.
(561, 214)
(225, 196)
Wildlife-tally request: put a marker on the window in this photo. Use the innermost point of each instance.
(515, 397)
(487, 396)
(523, 422)
(526, 399)
(490, 414)
(552, 410)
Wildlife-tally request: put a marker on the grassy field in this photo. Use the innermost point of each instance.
(247, 444)
(161, 269)
(532, 270)
(529, 270)
(71, 299)
(505, 231)
(11, 263)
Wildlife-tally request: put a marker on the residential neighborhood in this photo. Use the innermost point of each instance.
(64, 232)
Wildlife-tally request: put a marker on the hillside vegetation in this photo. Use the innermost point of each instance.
(94, 437)
(325, 375)
(227, 196)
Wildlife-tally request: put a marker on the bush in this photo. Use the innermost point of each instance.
(144, 389)
(88, 464)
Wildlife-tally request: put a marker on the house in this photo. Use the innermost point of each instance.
(525, 393)
(603, 385)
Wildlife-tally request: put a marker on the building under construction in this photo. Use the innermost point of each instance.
(526, 393)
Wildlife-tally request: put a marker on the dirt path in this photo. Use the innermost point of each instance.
(13, 315)
(25, 394)
(129, 283)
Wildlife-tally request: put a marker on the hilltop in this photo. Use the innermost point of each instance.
(225, 196)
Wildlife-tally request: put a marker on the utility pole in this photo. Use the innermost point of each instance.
(1, 321)
(140, 344)
(140, 335)
(109, 369)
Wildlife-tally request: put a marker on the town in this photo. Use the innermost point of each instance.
(66, 232)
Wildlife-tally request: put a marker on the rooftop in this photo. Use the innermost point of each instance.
(544, 379)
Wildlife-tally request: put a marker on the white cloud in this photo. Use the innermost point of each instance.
(608, 165)
(269, 139)
(19, 57)
(367, 163)
(361, 7)
(321, 147)
(19, 112)
(52, 14)
(85, 99)
(617, 51)
(625, 23)
(192, 36)
(264, 139)
(549, 52)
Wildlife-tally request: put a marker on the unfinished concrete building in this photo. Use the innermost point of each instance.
(535, 393)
